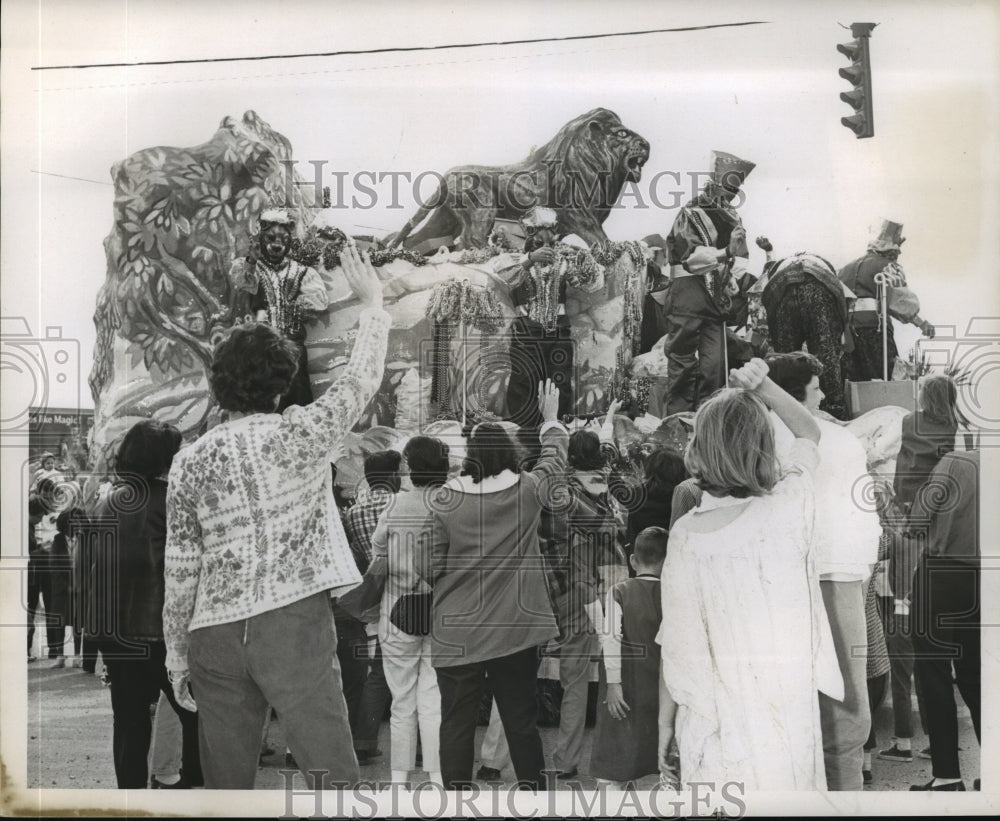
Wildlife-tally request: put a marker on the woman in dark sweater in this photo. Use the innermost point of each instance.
(664, 470)
(491, 607)
(129, 580)
(927, 435)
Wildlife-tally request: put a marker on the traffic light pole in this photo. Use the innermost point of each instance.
(860, 76)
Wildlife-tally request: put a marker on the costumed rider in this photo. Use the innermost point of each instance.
(708, 256)
(806, 303)
(285, 293)
(540, 346)
(864, 363)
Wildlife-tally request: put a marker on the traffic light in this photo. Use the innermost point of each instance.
(859, 74)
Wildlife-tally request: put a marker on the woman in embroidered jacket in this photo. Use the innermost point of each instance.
(745, 640)
(285, 292)
(255, 548)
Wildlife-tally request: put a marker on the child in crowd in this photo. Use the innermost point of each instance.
(625, 742)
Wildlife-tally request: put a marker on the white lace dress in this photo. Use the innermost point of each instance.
(745, 639)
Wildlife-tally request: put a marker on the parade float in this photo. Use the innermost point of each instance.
(182, 216)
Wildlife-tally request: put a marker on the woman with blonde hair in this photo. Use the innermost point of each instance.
(745, 639)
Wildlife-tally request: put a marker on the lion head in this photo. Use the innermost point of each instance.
(591, 158)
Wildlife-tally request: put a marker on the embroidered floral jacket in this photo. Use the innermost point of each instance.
(251, 520)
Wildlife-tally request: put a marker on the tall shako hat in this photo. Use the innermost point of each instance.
(890, 238)
(730, 171)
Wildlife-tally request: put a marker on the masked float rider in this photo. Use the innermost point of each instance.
(708, 256)
(285, 292)
(540, 346)
(864, 363)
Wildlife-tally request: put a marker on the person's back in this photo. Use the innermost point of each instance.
(741, 633)
(925, 439)
(625, 741)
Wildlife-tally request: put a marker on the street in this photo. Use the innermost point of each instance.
(70, 724)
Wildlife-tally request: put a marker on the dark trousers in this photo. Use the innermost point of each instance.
(696, 361)
(36, 593)
(138, 674)
(876, 695)
(513, 681)
(375, 698)
(899, 644)
(808, 313)
(352, 653)
(946, 617)
(537, 354)
(286, 658)
(864, 363)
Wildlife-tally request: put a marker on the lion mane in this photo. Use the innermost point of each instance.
(579, 173)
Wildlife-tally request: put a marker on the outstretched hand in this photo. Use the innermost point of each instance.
(548, 401)
(361, 276)
(764, 244)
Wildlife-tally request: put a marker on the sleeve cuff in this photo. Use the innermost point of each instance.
(546, 426)
(612, 678)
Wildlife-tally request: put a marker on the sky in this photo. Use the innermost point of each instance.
(767, 92)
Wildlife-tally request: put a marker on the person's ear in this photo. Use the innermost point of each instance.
(631, 561)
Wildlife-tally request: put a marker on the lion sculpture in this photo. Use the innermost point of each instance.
(579, 173)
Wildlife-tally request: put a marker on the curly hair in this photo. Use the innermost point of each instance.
(792, 372)
(252, 366)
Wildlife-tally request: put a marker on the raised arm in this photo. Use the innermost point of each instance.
(555, 441)
(753, 377)
(323, 424)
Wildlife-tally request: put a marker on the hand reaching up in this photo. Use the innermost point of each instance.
(361, 276)
(548, 401)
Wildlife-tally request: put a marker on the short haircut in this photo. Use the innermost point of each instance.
(585, 451)
(70, 519)
(732, 450)
(938, 397)
(490, 451)
(251, 366)
(664, 469)
(382, 470)
(148, 449)
(36, 507)
(650, 546)
(427, 460)
(792, 372)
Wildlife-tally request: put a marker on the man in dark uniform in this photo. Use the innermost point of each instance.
(707, 252)
(864, 363)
